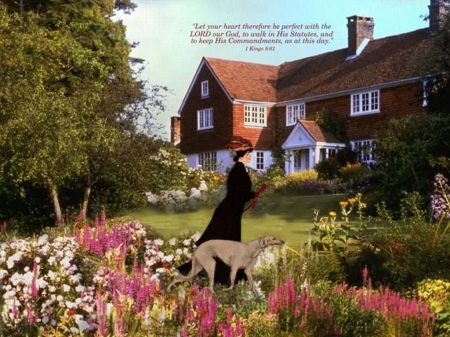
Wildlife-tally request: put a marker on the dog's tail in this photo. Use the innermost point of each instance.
(180, 278)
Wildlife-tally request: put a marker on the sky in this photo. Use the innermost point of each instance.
(163, 29)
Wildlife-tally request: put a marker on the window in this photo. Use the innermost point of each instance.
(260, 160)
(294, 113)
(208, 161)
(205, 119)
(255, 115)
(365, 150)
(365, 102)
(205, 89)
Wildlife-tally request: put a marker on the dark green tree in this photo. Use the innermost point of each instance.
(410, 152)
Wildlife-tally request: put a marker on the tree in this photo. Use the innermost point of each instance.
(410, 152)
(42, 138)
(437, 67)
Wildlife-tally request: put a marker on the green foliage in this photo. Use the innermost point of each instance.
(409, 246)
(328, 169)
(353, 320)
(352, 172)
(437, 294)
(329, 121)
(408, 151)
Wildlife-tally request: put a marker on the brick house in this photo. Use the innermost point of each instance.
(363, 85)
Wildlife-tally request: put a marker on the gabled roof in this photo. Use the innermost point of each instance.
(383, 61)
(246, 81)
(307, 133)
(318, 133)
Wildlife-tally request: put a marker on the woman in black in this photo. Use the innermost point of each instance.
(225, 223)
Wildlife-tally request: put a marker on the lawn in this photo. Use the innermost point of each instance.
(286, 217)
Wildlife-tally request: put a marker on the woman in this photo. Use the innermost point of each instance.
(225, 223)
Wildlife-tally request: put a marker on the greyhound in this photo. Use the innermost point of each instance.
(235, 254)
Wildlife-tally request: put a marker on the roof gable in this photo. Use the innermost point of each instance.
(308, 133)
(246, 81)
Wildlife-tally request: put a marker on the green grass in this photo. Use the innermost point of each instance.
(286, 217)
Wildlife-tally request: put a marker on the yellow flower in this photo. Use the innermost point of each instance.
(332, 214)
(343, 203)
(352, 200)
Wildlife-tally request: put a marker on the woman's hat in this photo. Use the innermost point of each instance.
(238, 143)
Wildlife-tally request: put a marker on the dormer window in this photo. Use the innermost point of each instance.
(365, 103)
(294, 113)
(205, 89)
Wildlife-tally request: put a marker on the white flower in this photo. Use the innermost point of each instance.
(159, 242)
(37, 259)
(82, 324)
(168, 258)
(178, 251)
(66, 288)
(3, 273)
(160, 255)
(187, 242)
(43, 239)
(172, 241)
(51, 260)
(52, 275)
(79, 288)
(203, 186)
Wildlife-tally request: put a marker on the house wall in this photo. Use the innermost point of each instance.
(262, 138)
(395, 102)
(193, 140)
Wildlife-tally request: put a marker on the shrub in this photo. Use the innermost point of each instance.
(328, 169)
(437, 294)
(352, 172)
(417, 245)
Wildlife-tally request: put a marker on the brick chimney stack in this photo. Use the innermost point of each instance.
(360, 32)
(437, 10)
(175, 130)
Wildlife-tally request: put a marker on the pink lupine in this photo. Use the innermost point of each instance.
(101, 314)
(33, 286)
(31, 317)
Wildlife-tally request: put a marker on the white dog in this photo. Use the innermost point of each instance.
(235, 254)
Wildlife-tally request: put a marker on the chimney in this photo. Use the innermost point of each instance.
(360, 32)
(175, 132)
(437, 11)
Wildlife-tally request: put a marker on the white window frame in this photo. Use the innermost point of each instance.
(205, 119)
(295, 112)
(208, 161)
(259, 160)
(255, 115)
(361, 146)
(204, 89)
(367, 102)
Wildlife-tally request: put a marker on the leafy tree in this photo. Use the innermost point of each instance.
(410, 152)
(42, 138)
(436, 65)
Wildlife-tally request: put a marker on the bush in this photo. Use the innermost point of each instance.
(328, 169)
(437, 294)
(352, 172)
(417, 245)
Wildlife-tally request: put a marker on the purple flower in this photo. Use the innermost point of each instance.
(440, 204)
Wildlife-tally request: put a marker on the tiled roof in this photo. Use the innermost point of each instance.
(318, 133)
(246, 81)
(385, 60)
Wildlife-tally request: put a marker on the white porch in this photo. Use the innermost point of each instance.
(307, 145)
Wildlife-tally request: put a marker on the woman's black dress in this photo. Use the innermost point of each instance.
(225, 223)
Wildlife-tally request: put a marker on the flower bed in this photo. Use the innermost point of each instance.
(108, 280)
